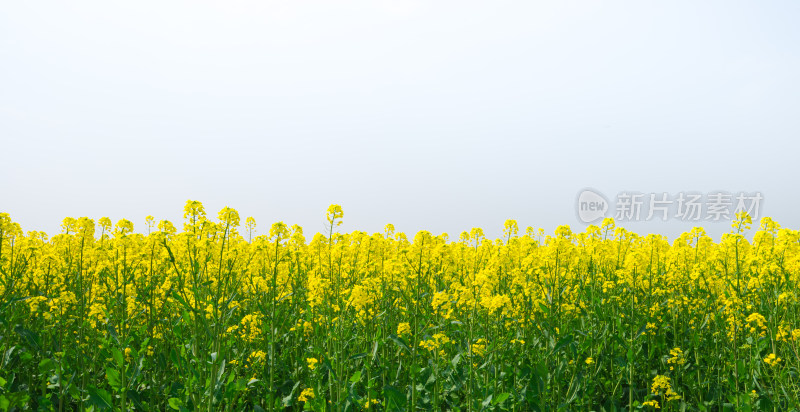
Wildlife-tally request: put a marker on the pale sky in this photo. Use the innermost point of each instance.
(437, 115)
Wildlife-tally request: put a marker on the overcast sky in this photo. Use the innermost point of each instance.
(437, 115)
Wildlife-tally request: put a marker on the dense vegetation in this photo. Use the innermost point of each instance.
(214, 317)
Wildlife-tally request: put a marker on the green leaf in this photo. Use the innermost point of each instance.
(544, 308)
(117, 355)
(30, 337)
(394, 399)
(431, 379)
(400, 342)
(286, 401)
(112, 331)
(640, 332)
(375, 350)
(112, 375)
(99, 398)
(46, 365)
(742, 369)
(136, 399)
(487, 401)
(358, 356)
(221, 372)
(176, 404)
(500, 398)
(15, 399)
(7, 356)
(356, 377)
(456, 359)
(179, 298)
(327, 367)
(566, 340)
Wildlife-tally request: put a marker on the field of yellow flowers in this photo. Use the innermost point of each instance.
(217, 317)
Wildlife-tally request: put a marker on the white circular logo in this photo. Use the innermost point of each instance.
(592, 206)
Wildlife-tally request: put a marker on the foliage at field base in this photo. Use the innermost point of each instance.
(218, 317)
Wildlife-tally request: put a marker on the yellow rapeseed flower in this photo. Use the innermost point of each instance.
(306, 394)
(772, 360)
(403, 328)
